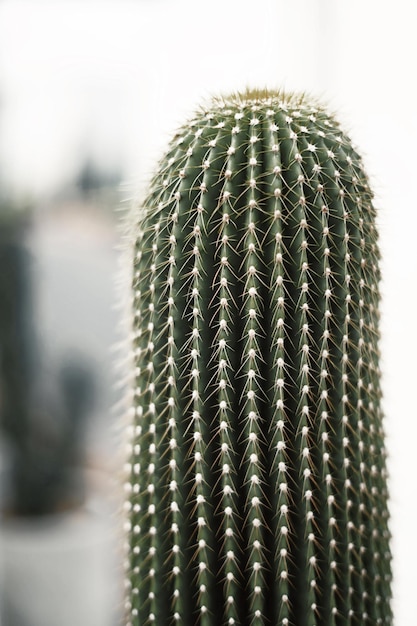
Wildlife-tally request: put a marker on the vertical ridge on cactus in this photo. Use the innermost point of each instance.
(257, 488)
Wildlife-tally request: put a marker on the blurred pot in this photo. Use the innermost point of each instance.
(60, 569)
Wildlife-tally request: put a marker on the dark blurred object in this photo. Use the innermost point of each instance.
(89, 178)
(47, 463)
(94, 183)
(42, 412)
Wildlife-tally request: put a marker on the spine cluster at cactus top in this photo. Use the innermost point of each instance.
(257, 490)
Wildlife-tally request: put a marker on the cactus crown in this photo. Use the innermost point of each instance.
(257, 490)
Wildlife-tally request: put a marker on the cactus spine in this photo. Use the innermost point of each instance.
(257, 490)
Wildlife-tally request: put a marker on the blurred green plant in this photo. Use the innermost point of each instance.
(42, 412)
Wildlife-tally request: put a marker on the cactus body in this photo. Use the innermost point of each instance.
(257, 491)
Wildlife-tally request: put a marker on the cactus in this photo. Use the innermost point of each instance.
(257, 472)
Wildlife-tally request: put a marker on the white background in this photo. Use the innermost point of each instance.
(115, 78)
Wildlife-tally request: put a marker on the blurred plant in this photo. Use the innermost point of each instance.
(42, 412)
(96, 184)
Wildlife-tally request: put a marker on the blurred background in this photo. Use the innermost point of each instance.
(90, 91)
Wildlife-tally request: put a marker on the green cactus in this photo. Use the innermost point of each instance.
(257, 477)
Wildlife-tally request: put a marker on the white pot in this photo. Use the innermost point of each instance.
(60, 571)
